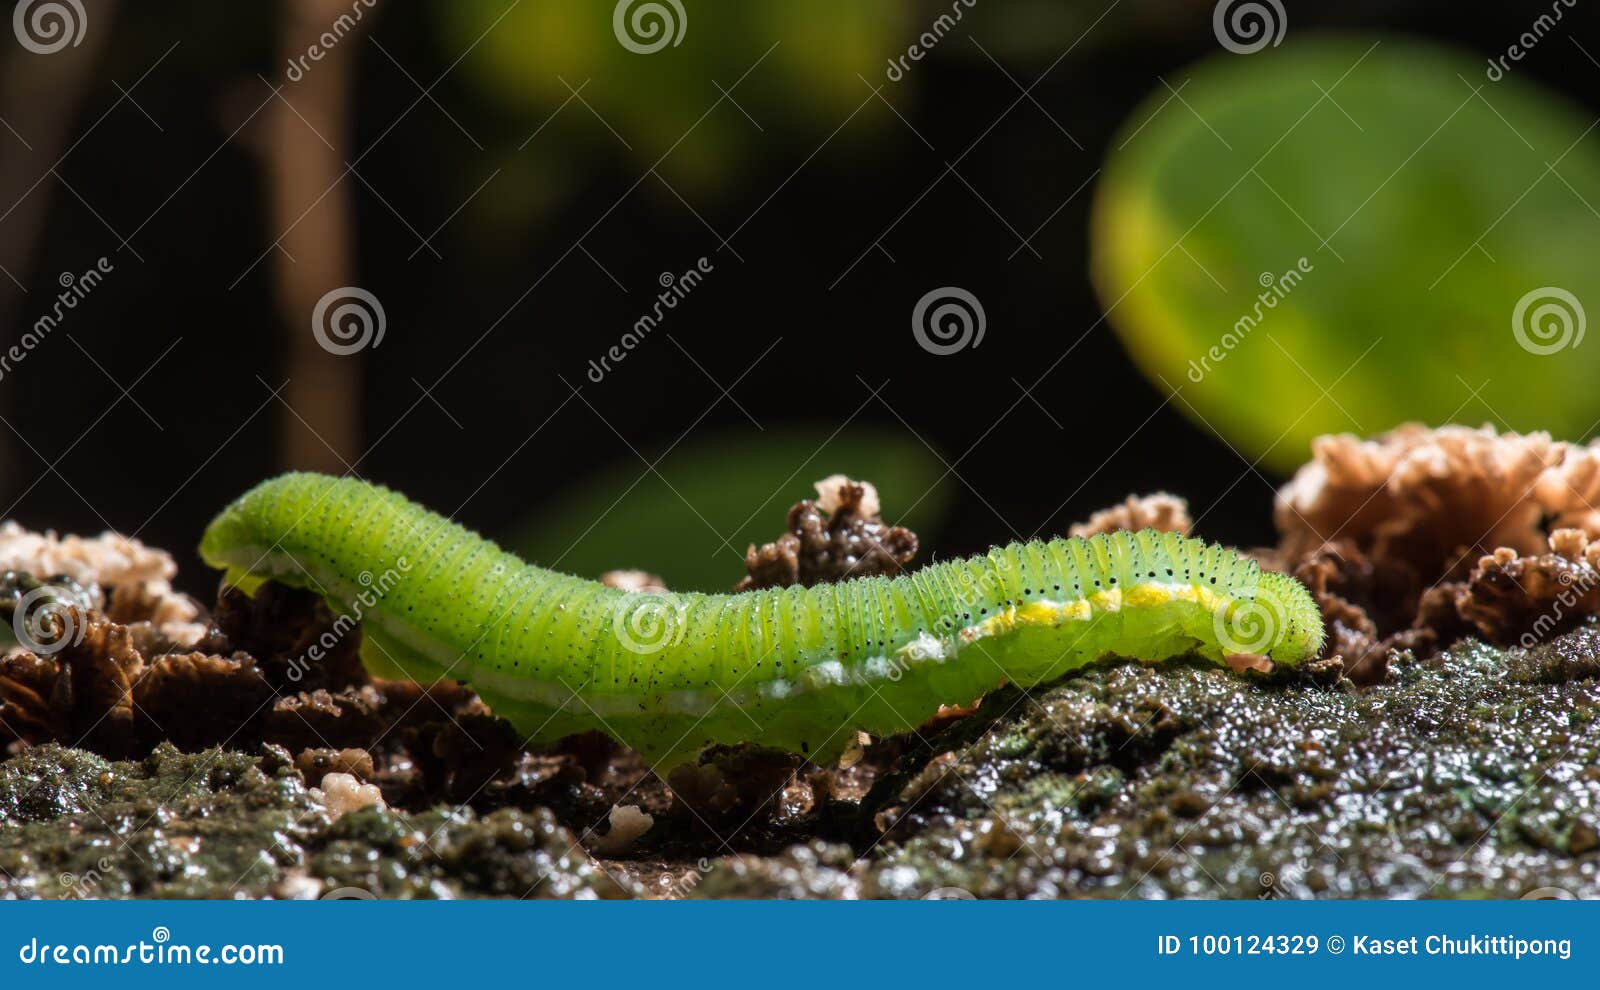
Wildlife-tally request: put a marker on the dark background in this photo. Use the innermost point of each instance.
(158, 169)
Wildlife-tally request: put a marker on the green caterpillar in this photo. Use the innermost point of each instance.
(798, 669)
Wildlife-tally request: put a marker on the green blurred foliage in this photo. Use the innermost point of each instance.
(1439, 203)
(736, 484)
(666, 102)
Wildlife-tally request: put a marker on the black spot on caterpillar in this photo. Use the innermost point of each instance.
(799, 669)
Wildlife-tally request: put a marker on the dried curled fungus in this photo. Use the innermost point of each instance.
(135, 580)
(1511, 599)
(1433, 499)
(1367, 606)
(1418, 537)
(293, 635)
(836, 537)
(1162, 511)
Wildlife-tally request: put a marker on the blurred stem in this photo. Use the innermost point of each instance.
(307, 147)
(39, 100)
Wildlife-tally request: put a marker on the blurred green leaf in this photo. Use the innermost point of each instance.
(560, 69)
(736, 484)
(1440, 211)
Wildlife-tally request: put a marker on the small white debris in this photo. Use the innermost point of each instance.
(297, 887)
(830, 495)
(854, 750)
(635, 582)
(628, 823)
(342, 793)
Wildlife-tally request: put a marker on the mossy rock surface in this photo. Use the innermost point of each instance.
(221, 824)
(1475, 774)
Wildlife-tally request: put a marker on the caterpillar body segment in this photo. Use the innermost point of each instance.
(799, 669)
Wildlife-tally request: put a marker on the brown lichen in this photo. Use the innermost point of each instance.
(1416, 538)
(195, 700)
(838, 536)
(296, 639)
(132, 582)
(1162, 511)
(1435, 500)
(1511, 599)
(27, 683)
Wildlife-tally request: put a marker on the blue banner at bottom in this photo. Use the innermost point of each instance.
(772, 944)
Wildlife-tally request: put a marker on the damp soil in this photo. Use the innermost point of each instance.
(1473, 773)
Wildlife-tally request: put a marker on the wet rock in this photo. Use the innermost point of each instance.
(1468, 775)
(220, 824)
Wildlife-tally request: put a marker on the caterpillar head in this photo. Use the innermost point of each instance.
(1281, 622)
